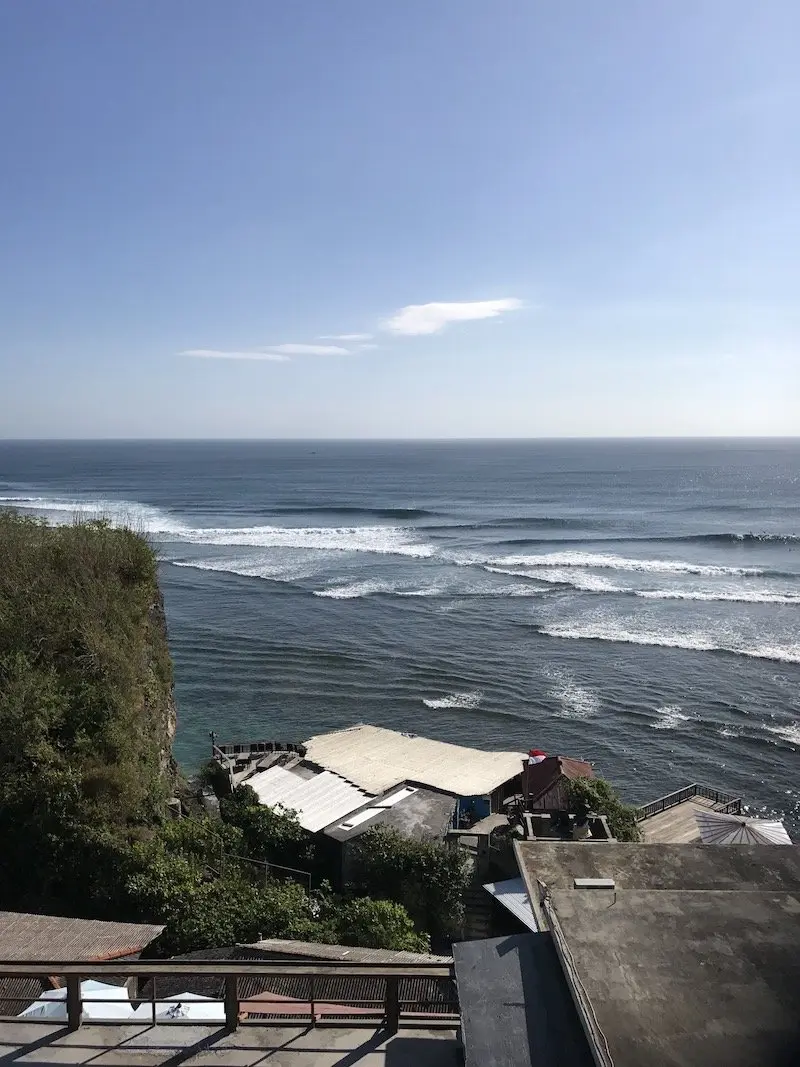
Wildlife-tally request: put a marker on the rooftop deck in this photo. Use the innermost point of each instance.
(109, 1045)
(671, 819)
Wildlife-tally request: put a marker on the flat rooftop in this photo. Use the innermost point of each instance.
(687, 978)
(774, 868)
(375, 759)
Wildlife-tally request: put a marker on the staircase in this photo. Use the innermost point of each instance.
(477, 913)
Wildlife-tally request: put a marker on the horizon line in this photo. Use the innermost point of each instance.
(398, 440)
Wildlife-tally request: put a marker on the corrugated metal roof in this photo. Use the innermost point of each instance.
(513, 895)
(377, 759)
(53, 938)
(318, 801)
(315, 950)
(541, 777)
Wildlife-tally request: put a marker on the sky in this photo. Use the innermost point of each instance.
(405, 218)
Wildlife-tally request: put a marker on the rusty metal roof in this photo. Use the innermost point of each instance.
(538, 778)
(54, 938)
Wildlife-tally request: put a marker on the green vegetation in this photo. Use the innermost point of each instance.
(86, 724)
(428, 878)
(598, 796)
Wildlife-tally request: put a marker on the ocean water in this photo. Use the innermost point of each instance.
(636, 603)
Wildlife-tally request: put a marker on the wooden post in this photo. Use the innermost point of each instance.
(392, 1004)
(231, 1002)
(74, 1006)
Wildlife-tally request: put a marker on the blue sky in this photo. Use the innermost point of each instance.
(408, 218)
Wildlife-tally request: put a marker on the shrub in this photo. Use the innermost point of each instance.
(597, 795)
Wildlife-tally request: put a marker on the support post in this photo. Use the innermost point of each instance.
(74, 1006)
(231, 1002)
(392, 1004)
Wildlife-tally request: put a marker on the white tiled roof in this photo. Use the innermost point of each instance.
(377, 759)
(318, 801)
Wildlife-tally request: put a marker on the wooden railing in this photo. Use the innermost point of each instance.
(726, 801)
(393, 1006)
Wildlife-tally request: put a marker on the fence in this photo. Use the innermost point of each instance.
(351, 994)
(726, 803)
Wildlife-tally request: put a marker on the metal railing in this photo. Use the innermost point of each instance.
(727, 802)
(396, 1002)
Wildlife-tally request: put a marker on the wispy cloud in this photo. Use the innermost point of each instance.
(346, 337)
(309, 350)
(214, 353)
(418, 319)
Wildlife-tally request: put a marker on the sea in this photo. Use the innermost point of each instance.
(635, 603)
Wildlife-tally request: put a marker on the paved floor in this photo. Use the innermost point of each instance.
(40, 1044)
(677, 825)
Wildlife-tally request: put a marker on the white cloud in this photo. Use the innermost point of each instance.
(213, 353)
(310, 350)
(365, 348)
(346, 337)
(418, 319)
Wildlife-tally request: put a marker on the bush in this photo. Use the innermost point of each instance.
(427, 877)
(598, 796)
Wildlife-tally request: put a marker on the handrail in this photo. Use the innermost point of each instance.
(729, 802)
(389, 1005)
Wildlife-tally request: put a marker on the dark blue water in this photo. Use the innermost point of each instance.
(636, 603)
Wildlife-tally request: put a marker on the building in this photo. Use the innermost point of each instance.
(54, 939)
(675, 954)
(346, 782)
(545, 784)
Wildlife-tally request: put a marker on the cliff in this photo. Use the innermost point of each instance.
(87, 713)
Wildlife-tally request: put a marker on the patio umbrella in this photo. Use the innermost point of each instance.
(184, 1006)
(717, 828)
(53, 1003)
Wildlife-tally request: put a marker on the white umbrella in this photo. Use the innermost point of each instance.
(53, 1003)
(183, 1006)
(717, 828)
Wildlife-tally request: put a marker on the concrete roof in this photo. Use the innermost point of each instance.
(686, 978)
(51, 938)
(318, 800)
(423, 814)
(641, 866)
(375, 759)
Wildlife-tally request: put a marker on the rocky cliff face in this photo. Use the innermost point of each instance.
(160, 707)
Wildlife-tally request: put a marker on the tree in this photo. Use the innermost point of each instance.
(599, 796)
(271, 835)
(377, 924)
(427, 877)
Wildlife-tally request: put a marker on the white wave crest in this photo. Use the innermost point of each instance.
(742, 597)
(62, 510)
(790, 733)
(255, 567)
(671, 716)
(582, 580)
(455, 700)
(354, 590)
(391, 540)
(696, 642)
(577, 702)
(608, 561)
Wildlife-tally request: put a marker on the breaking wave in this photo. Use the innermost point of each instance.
(63, 510)
(696, 642)
(576, 701)
(455, 700)
(605, 561)
(670, 717)
(585, 581)
(391, 540)
(790, 733)
(743, 597)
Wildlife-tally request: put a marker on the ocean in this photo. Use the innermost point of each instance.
(635, 603)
